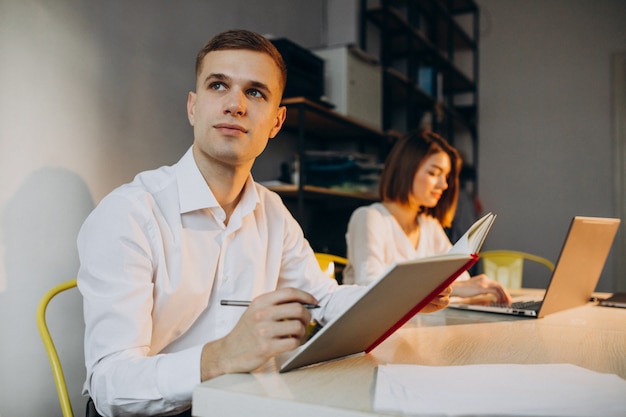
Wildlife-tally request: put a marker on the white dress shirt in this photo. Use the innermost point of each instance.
(156, 258)
(375, 240)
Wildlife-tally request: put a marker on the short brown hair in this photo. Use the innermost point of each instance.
(243, 39)
(402, 163)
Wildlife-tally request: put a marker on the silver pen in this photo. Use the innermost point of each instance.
(241, 303)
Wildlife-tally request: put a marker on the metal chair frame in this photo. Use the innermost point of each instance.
(55, 362)
(524, 255)
(508, 256)
(327, 262)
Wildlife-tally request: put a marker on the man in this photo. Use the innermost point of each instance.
(157, 255)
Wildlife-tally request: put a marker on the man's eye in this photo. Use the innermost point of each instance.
(217, 86)
(255, 93)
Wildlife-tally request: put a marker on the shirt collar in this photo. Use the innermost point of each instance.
(250, 197)
(195, 194)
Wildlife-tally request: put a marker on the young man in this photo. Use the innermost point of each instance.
(157, 255)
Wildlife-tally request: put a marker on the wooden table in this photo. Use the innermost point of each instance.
(592, 337)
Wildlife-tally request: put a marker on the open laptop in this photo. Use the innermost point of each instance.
(575, 276)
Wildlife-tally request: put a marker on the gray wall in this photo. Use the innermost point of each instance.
(93, 92)
(546, 128)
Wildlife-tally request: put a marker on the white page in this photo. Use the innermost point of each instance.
(504, 390)
(472, 240)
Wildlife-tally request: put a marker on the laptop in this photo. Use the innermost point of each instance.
(575, 275)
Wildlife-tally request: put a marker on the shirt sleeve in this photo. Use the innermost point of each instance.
(116, 248)
(299, 268)
(366, 239)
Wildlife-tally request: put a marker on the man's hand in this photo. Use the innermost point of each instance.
(439, 302)
(274, 323)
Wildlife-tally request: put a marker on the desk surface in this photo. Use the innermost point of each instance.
(592, 337)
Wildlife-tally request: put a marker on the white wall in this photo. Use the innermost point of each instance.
(90, 94)
(546, 144)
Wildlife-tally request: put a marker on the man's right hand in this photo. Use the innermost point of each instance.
(274, 323)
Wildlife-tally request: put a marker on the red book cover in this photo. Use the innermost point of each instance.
(423, 303)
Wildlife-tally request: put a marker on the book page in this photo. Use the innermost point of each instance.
(472, 240)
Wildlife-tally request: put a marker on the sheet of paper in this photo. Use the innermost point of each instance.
(499, 389)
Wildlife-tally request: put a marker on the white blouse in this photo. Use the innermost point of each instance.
(375, 240)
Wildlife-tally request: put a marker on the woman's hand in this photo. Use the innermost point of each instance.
(439, 302)
(481, 285)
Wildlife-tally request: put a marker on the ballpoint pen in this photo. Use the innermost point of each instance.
(241, 303)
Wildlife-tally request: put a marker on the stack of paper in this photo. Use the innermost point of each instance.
(503, 390)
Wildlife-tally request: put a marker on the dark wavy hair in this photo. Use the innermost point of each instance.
(243, 39)
(402, 163)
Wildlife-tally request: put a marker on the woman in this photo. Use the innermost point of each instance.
(419, 188)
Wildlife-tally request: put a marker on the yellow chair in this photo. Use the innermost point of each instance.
(55, 362)
(327, 262)
(507, 266)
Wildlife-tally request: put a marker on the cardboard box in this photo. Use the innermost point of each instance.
(353, 83)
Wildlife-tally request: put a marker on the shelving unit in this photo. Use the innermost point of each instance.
(429, 57)
(313, 120)
(321, 211)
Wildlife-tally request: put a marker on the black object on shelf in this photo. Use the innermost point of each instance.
(305, 70)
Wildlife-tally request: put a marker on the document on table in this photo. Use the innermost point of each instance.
(499, 389)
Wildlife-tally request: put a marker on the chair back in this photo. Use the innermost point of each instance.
(507, 266)
(53, 357)
(327, 262)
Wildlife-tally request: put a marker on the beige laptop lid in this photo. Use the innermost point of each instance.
(580, 263)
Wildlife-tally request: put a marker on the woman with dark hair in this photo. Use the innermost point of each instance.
(419, 189)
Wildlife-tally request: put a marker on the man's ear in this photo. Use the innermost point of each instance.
(191, 107)
(280, 119)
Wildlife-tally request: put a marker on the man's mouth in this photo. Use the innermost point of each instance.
(230, 127)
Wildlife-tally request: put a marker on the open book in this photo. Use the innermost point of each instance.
(389, 302)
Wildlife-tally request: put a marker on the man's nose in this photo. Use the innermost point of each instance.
(235, 104)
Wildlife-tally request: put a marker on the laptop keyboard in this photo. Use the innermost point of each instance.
(522, 305)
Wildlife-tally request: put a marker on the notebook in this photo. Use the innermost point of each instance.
(404, 290)
(575, 275)
(388, 302)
